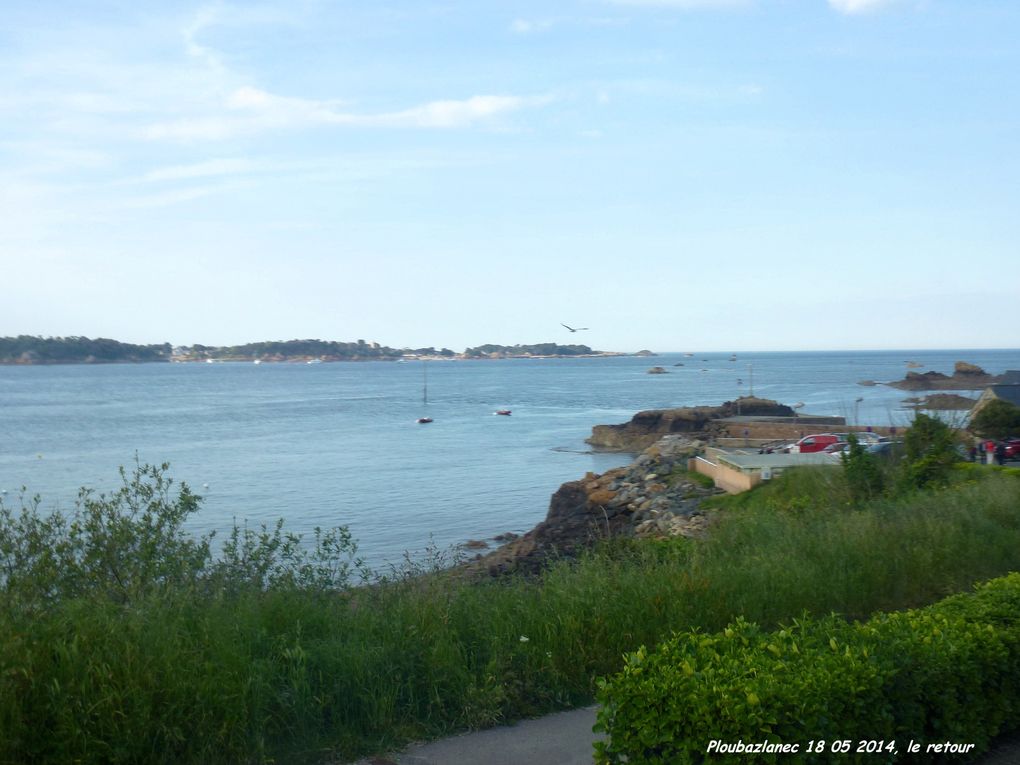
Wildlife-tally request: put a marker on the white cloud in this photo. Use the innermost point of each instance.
(209, 169)
(250, 110)
(204, 17)
(858, 6)
(450, 114)
(524, 26)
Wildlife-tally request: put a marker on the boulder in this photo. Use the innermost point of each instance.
(962, 368)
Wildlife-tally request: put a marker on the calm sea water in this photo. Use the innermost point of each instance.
(331, 444)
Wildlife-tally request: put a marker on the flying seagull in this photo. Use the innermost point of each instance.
(572, 329)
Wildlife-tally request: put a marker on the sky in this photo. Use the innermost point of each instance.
(711, 175)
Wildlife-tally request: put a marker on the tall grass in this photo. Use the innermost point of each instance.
(233, 666)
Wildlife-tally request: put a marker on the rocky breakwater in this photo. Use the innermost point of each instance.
(646, 428)
(653, 496)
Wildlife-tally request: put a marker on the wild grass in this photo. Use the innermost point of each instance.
(264, 657)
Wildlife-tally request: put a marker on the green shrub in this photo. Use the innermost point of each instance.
(862, 472)
(943, 673)
(997, 419)
(117, 547)
(930, 452)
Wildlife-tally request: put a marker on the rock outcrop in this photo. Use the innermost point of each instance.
(943, 402)
(645, 428)
(965, 377)
(651, 497)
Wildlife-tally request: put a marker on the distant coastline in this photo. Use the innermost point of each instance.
(27, 350)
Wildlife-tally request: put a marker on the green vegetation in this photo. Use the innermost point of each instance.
(26, 349)
(681, 474)
(125, 640)
(930, 452)
(938, 674)
(283, 350)
(538, 349)
(865, 478)
(997, 419)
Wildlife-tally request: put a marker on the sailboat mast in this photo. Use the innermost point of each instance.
(424, 382)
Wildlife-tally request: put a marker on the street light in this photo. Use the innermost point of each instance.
(856, 404)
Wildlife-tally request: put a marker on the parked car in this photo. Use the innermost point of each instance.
(1012, 448)
(837, 448)
(877, 446)
(867, 438)
(881, 447)
(815, 443)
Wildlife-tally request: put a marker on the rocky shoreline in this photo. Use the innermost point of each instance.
(941, 402)
(652, 497)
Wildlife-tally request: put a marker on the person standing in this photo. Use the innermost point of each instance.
(1000, 454)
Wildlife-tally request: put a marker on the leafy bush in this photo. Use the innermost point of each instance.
(997, 419)
(862, 471)
(132, 544)
(118, 547)
(930, 452)
(945, 672)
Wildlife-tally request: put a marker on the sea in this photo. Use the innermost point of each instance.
(337, 444)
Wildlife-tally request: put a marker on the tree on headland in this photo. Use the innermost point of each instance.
(28, 349)
(997, 419)
(537, 349)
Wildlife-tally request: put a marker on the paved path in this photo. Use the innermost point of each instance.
(564, 738)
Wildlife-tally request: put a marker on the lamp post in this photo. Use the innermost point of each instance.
(856, 404)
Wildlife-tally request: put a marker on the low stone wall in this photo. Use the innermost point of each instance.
(726, 478)
(757, 433)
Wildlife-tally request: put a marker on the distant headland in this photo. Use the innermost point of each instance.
(28, 349)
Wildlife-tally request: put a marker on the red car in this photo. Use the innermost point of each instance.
(816, 443)
(1012, 448)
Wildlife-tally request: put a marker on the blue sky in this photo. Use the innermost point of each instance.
(674, 174)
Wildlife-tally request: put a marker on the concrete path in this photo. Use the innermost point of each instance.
(564, 738)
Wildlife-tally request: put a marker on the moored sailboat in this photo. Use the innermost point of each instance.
(424, 393)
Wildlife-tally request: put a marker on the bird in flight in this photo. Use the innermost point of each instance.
(572, 329)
